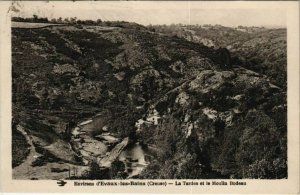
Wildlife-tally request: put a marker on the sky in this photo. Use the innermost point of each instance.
(270, 14)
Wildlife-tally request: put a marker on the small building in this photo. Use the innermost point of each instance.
(154, 117)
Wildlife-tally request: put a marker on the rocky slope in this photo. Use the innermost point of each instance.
(204, 116)
(256, 48)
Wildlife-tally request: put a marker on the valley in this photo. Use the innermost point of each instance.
(118, 100)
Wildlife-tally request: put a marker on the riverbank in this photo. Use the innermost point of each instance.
(54, 170)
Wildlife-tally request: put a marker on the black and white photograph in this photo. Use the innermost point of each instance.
(112, 92)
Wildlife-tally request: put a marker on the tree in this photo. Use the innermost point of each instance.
(99, 21)
(117, 170)
(53, 20)
(152, 171)
(66, 20)
(73, 20)
(35, 17)
(59, 20)
(95, 172)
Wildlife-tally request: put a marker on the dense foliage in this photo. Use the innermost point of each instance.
(215, 120)
(260, 49)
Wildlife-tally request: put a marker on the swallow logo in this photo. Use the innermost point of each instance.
(61, 183)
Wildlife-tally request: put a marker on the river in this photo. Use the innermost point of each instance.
(86, 141)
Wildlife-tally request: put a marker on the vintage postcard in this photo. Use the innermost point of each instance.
(150, 97)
